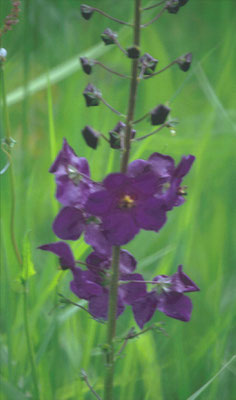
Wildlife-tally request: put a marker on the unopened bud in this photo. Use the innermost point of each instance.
(91, 95)
(109, 37)
(185, 61)
(86, 65)
(148, 63)
(173, 6)
(91, 136)
(159, 114)
(117, 133)
(133, 52)
(86, 11)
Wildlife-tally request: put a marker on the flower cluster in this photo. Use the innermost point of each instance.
(110, 213)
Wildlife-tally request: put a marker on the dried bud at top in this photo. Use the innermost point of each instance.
(86, 64)
(173, 6)
(90, 136)
(92, 95)
(86, 11)
(109, 37)
(185, 61)
(3, 54)
(148, 64)
(159, 114)
(133, 52)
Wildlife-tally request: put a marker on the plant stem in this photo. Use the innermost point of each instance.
(155, 18)
(166, 124)
(111, 324)
(133, 90)
(111, 108)
(153, 6)
(160, 71)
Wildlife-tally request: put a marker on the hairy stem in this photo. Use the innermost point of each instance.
(110, 17)
(111, 325)
(110, 70)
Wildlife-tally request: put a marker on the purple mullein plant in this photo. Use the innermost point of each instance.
(112, 212)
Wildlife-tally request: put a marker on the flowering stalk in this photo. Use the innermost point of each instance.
(111, 324)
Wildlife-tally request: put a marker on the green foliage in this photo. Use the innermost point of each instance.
(44, 82)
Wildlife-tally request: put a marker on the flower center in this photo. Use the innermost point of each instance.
(163, 284)
(126, 201)
(181, 191)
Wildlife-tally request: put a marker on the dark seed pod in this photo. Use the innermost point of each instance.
(148, 64)
(86, 11)
(173, 6)
(91, 136)
(159, 114)
(109, 37)
(86, 65)
(185, 61)
(117, 133)
(91, 95)
(133, 52)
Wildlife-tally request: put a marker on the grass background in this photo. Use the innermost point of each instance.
(44, 84)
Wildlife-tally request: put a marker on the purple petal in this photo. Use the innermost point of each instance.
(131, 292)
(98, 306)
(182, 283)
(175, 305)
(95, 236)
(63, 251)
(99, 203)
(70, 194)
(150, 214)
(116, 181)
(184, 166)
(127, 262)
(120, 227)
(97, 262)
(162, 165)
(84, 285)
(69, 223)
(144, 309)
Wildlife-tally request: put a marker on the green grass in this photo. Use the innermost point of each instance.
(44, 84)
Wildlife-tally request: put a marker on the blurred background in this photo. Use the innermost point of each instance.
(44, 83)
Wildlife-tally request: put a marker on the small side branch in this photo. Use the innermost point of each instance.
(65, 300)
(166, 124)
(154, 5)
(120, 47)
(154, 19)
(84, 377)
(111, 70)
(161, 70)
(111, 108)
(111, 18)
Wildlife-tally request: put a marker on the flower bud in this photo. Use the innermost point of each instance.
(86, 11)
(86, 65)
(185, 61)
(109, 37)
(173, 6)
(148, 64)
(91, 95)
(91, 137)
(117, 133)
(159, 114)
(133, 52)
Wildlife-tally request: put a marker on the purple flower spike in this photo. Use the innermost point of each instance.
(167, 297)
(63, 251)
(72, 177)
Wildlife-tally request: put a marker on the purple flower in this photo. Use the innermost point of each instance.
(63, 251)
(72, 177)
(97, 279)
(168, 298)
(126, 204)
